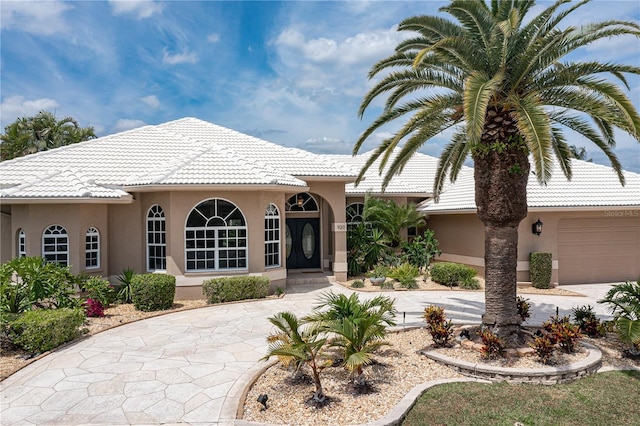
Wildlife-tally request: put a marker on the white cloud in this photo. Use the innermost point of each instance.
(213, 38)
(41, 17)
(140, 8)
(128, 124)
(152, 101)
(178, 58)
(13, 107)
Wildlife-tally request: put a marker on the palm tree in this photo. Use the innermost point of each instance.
(500, 81)
(624, 304)
(391, 218)
(295, 344)
(42, 132)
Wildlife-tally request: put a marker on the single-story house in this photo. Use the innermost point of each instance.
(590, 225)
(196, 200)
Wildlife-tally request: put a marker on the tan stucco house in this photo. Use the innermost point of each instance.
(196, 200)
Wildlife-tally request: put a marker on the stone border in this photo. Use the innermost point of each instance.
(542, 375)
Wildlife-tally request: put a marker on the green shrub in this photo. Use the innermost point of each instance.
(470, 284)
(387, 285)
(379, 271)
(540, 267)
(409, 283)
(124, 289)
(404, 272)
(153, 292)
(100, 290)
(229, 289)
(357, 284)
(41, 330)
(422, 250)
(453, 274)
(32, 282)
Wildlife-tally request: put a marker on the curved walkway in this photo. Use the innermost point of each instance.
(191, 367)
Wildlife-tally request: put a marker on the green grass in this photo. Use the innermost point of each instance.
(609, 399)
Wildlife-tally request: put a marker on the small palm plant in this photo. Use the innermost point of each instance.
(297, 345)
(624, 301)
(359, 327)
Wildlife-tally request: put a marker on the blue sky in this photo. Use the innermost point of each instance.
(290, 72)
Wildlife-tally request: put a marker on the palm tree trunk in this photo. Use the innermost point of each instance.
(501, 171)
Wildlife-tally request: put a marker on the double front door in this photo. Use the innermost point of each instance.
(303, 243)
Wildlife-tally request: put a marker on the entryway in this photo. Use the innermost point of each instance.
(303, 243)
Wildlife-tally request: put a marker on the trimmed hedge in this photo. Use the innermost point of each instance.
(454, 274)
(229, 289)
(41, 330)
(153, 292)
(540, 267)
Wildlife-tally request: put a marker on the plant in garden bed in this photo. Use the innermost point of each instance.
(365, 247)
(422, 250)
(439, 327)
(587, 321)
(543, 346)
(100, 290)
(523, 308)
(563, 333)
(358, 327)
(357, 284)
(124, 292)
(492, 345)
(297, 345)
(624, 303)
(32, 282)
(93, 308)
(454, 274)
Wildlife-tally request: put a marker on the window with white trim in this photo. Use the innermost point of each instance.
(55, 245)
(22, 243)
(92, 249)
(271, 236)
(215, 237)
(156, 240)
(301, 202)
(354, 212)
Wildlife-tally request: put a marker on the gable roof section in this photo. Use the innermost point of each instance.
(416, 178)
(183, 152)
(592, 186)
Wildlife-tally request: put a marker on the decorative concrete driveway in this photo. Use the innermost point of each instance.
(192, 366)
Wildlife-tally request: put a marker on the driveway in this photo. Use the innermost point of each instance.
(192, 366)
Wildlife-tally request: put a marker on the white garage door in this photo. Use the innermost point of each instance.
(599, 250)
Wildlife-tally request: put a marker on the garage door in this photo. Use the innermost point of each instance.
(599, 250)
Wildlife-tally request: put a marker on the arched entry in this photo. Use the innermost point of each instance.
(302, 232)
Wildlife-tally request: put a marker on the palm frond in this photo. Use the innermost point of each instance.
(478, 91)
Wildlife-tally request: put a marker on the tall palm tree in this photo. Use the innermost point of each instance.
(502, 83)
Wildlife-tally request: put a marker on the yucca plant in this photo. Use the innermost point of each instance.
(124, 294)
(499, 78)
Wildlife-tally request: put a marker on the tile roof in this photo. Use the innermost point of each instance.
(592, 186)
(182, 152)
(416, 177)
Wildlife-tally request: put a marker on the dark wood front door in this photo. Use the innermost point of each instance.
(303, 243)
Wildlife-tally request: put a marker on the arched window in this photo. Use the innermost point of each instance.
(92, 249)
(271, 236)
(354, 212)
(22, 243)
(156, 240)
(55, 245)
(301, 202)
(215, 237)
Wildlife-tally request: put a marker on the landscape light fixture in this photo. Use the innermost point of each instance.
(262, 399)
(536, 228)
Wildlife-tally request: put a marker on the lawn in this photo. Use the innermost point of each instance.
(611, 398)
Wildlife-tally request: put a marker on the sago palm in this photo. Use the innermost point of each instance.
(499, 80)
(624, 302)
(295, 344)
